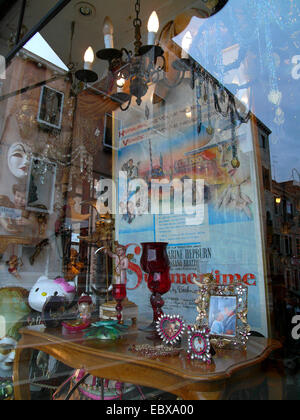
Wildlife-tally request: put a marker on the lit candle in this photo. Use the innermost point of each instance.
(89, 58)
(108, 31)
(186, 45)
(188, 113)
(153, 27)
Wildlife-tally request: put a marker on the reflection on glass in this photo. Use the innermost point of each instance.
(204, 161)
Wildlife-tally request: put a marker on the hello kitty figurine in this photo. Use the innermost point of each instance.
(45, 288)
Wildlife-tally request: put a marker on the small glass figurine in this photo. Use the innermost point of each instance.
(85, 305)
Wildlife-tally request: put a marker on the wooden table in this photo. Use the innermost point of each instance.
(189, 380)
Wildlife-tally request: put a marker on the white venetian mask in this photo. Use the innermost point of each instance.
(7, 353)
(18, 160)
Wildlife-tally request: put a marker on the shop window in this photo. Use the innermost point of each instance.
(298, 247)
(289, 208)
(288, 279)
(277, 242)
(134, 164)
(271, 262)
(266, 179)
(269, 219)
(295, 278)
(288, 245)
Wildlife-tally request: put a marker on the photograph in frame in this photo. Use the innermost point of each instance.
(41, 186)
(51, 108)
(223, 316)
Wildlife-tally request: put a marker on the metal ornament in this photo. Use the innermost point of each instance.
(235, 163)
(199, 344)
(210, 130)
(170, 328)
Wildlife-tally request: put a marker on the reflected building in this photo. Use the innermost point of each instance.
(284, 235)
(283, 253)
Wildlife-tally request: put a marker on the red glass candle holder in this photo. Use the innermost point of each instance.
(155, 262)
(119, 293)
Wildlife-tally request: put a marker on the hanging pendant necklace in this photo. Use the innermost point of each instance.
(209, 130)
(235, 161)
(199, 109)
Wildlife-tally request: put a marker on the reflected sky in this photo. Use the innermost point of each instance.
(253, 48)
(38, 46)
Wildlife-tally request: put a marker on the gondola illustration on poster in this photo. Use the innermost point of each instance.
(224, 237)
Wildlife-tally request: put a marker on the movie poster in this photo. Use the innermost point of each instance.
(223, 236)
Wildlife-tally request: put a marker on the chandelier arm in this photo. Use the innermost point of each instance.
(154, 76)
(128, 105)
(176, 83)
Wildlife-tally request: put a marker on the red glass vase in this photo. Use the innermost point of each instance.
(155, 262)
(119, 293)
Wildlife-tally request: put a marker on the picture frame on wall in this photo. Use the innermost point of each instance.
(51, 106)
(40, 192)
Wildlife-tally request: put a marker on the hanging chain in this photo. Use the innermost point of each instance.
(138, 11)
(137, 23)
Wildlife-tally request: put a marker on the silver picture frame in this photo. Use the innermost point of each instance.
(51, 105)
(229, 301)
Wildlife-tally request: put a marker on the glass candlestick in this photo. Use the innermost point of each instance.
(119, 294)
(155, 262)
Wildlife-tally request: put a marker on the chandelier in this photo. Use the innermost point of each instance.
(147, 65)
(141, 68)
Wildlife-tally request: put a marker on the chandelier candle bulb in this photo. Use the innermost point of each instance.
(120, 84)
(153, 27)
(89, 59)
(186, 45)
(108, 31)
